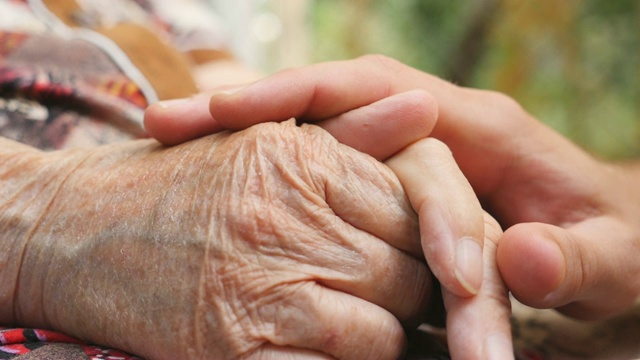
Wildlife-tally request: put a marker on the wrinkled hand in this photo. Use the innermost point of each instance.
(574, 232)
(380, 129)
(451, 219)
(275, 242)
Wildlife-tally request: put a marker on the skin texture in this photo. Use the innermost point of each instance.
(366, 129)
(274, 242)
(573, 234)
(447, 207)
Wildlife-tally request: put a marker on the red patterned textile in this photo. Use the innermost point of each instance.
(17, 342)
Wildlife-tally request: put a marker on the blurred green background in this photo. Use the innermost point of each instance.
(573, 64)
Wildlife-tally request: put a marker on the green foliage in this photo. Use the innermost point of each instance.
(573, 64)
(420, 33)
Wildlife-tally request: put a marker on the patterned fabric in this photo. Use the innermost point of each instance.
(43, 344)
(49, 105)
(75, 73)
(66, 80)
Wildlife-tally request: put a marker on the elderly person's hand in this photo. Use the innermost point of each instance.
(269, 242)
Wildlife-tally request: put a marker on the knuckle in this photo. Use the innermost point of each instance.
(275, 182)
(291, 72)
(286, 145)
(433, 146)
(503, 103)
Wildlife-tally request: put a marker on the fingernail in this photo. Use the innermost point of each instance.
(172, 103)
(469, 264)
(498, 347)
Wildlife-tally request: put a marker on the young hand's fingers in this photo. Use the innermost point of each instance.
(327, 90)
(450, 216)
(314, 92)
(337, 324)
(479, 327)
(173, 122)
(549, 267)
(385, 127)
(311, 92)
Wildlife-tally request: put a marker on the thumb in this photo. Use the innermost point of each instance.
(572, 269)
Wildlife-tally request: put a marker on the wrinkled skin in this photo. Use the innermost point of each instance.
(396, 129)
(238, 245)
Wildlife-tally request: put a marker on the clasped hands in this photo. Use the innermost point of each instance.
(395, 129)
(274, 242)
(573, 236)
(284, 241)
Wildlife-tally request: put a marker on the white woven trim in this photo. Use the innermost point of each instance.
(107, 45)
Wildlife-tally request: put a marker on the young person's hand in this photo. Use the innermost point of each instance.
(574, 235)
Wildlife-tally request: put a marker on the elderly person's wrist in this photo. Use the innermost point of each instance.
(29, 180)
(83, 202)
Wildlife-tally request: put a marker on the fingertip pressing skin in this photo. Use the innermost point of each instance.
(571, 269)
(175, 121)
(532, 264)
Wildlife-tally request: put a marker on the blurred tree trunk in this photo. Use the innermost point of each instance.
(636, 74)
(467, 54)
(355, 36)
